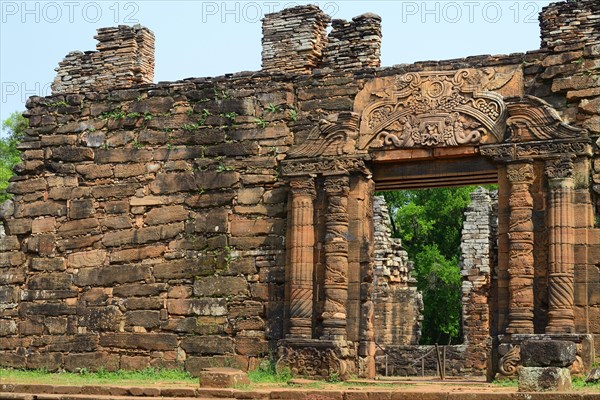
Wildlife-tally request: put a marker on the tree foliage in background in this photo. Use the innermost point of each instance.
(429, 222)
(13, 128)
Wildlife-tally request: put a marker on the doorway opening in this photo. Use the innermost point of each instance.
(444, 235)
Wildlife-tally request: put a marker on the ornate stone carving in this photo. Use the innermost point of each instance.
(299, 274)
(520, 257)
(509, 363)
(536, 150)
(329, 138)
(434, 109)
(336, 257)
(560, 168)
(310, 361)
(561, 259)
(531, 118)
(545, 149)
(325, 165)
(304, 186)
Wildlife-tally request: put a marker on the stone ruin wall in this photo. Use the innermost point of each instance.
(148, 220)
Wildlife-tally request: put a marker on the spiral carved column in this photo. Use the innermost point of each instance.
(520, 257)
(561, 218)
(336, 257)
(301, 263)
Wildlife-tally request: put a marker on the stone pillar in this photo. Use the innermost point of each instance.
(336, 257)
(301, 263)
(561, 219)
(520, 253)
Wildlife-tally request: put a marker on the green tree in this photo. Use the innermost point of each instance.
(14, 129)
(430, 221)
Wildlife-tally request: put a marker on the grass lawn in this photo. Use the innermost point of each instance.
(148, 376)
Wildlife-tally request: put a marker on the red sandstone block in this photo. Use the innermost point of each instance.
(142, 341)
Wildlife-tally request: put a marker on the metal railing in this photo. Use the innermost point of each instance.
(440, 359)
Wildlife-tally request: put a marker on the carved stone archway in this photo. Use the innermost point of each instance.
(426, 116)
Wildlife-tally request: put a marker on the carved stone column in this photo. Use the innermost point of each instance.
(336, 257)
(301, 263)
(561, 218)
(520, 253)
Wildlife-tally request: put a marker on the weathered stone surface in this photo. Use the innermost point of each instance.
(48, 264)
(93, 361)
(79, 227)
(136, 254)
(29, 186)
(142, 341)
(92, 258)
(216, 286)
(50, 281)
(215, 180)
(42, 225)
(207, 345)
(144, 318)
(186, 268)
(142, 235)
(204, 307)
(99, 319)
(107, 276)
(544, 379)
(173, 183)
(81, 208)
(548, 353)
(165, 215)
(12, 259)
(213, 221)
(72, 153)
(94, 171)
(40, 208)
(593, 376)
(223, 378)
(140, 289)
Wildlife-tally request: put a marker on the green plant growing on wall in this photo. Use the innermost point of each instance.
(261, 122)
(113, 114)
(190, 127)
(204, 114)
(57, 104)
(230, 116)
(272, 108)
(222, 168)
(293, 114)
(221, 94)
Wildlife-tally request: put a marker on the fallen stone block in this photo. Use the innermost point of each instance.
(540, 379)
(223, 378)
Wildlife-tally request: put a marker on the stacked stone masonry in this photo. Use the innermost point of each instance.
(124, 58)
(150, 223)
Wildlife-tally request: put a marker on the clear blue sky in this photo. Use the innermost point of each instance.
(210, 38)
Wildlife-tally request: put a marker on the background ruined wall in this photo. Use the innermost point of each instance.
(148, 223)
(398, 304)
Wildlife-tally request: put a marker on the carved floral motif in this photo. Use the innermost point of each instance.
(318, 166)
(560, 168)
(310, 361)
